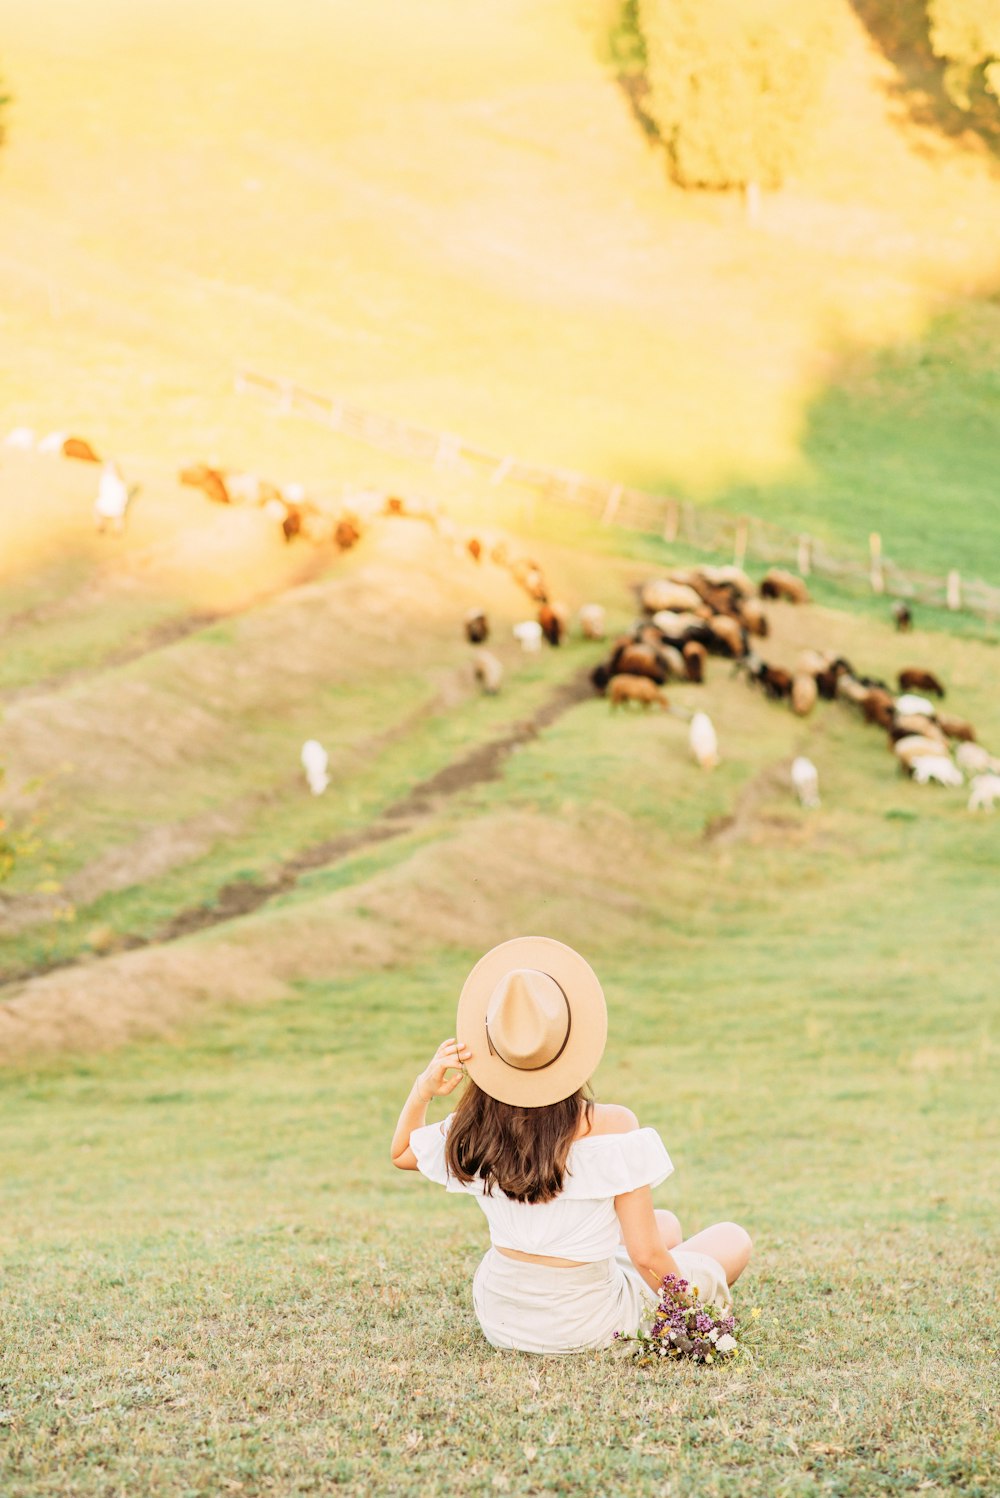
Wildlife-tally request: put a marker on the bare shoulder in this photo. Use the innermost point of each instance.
(611, 1118)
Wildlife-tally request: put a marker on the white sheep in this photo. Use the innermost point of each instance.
(985, 790)
(975, 760)
(910, 705)
(315, 761)
(914, 747)
(112, 498)
(936, 767)
(704, 741)
(592, 625)
(488, 671)
(805, 779)
(22, 438)
(53, 443)
(529, 635)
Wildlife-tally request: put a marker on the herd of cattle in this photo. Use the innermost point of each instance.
(693, 613)
(685, 617)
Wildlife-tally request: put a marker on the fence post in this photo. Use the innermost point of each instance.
(954, 591)
(875, 553)
(804, 556)
(740, 547)
(670, 522)
(611, 506)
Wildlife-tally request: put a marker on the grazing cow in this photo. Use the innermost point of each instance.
(636, 689)
(660, 594)
(916, 679)
(804, 693)
(956, 728)
(694, 655)
(754, 618)
(79, 447)
(727, 635)
(639, 660)
(209, 480)
(346, 533)
(903, 616)
(477, 627)
(552, 618)
(780, 584)
(805, 779)
(291, 525)
(315, 761)
(776, 681)
(878, 707)
(475, 548)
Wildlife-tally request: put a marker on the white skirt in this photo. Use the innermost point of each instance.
(549, 1308)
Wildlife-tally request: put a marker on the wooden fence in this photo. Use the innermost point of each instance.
(701, 527)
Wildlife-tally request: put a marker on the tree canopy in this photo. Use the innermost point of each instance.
(733, 84)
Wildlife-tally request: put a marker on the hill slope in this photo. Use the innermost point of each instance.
(454, 218)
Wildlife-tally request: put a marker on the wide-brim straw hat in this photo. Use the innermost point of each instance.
(532, 1011)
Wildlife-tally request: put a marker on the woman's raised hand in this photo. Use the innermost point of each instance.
(449, 1056)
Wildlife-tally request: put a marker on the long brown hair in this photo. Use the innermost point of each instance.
(520, 1150)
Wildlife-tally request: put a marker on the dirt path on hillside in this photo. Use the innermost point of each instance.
(242, 897)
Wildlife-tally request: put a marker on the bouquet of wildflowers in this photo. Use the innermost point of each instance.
(682, 1326)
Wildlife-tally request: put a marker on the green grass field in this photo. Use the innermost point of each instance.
(215, 989)
(215, 1282)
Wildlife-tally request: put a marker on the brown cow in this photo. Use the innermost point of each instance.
(916, 679)
(636, 689)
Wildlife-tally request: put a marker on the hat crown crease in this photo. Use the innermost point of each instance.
(528, 1019)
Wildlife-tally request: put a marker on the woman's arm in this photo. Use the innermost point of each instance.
(642, 1236)
(431, 1083)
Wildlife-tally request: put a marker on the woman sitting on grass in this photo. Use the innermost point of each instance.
(578, 1251)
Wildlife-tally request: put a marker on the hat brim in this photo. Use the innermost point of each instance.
(588, 1023)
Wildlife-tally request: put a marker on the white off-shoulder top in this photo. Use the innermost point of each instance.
(580, 1223)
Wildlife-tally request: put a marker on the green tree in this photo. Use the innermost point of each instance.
(965, 34)
(733, 85)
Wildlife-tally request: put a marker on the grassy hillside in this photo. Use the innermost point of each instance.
(216, 1283)
(214, 1280)
(485, 242)
(215, 988)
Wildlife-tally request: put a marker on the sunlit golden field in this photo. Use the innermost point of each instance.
(215, 988)
(452, 218)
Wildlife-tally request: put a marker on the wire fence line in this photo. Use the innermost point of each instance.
(701, 527)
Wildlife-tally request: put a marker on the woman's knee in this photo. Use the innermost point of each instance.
(668, 1227)
(740, 1245)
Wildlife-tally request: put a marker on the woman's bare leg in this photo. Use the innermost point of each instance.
(727, 1242)
(668, 1228)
